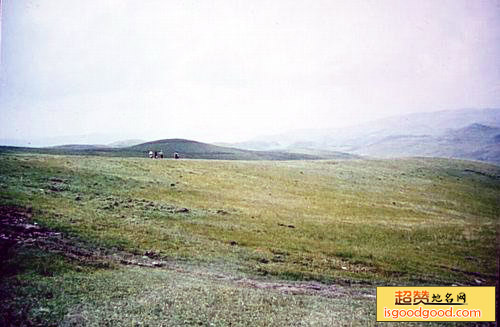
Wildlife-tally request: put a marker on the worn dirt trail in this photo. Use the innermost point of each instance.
(18, 230)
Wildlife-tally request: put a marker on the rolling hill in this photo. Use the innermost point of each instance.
(464, 134)
(186, 149)
(198, 150)
(475, 142)
(77, 147)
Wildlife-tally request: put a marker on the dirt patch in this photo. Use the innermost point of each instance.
(287, 287)
(285, 225)
(308, 288)
(18, 230)
(471, 171)
(15, 228)
(112, 203)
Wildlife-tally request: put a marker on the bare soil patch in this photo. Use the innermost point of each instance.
(17, 229)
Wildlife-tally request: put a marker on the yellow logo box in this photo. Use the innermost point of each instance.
(444, 303)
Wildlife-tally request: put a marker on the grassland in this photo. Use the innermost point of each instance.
(187, 149)
(231, 236)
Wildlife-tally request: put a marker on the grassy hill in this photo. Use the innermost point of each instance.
(182, 242)
(185, 148)
(198, 150)
(78, 147)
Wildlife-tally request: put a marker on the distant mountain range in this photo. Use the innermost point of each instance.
(475, 141)
(466, 134)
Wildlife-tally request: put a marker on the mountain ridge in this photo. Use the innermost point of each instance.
(463, 134)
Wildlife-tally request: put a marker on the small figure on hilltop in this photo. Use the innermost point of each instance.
(156, 154)
(160, 154)
(176, 155)
(151, 154)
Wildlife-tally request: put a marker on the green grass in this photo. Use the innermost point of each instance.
(153, 297)
(186, 148)
(374, 222)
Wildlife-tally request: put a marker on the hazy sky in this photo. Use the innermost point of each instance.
(217, 70)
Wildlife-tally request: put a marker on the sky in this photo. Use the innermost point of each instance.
(231, 70)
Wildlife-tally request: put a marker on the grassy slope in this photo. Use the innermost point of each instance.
(414, 221)
(186, 149)
(199, 150)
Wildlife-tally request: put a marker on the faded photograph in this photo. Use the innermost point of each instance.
(249, 163)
